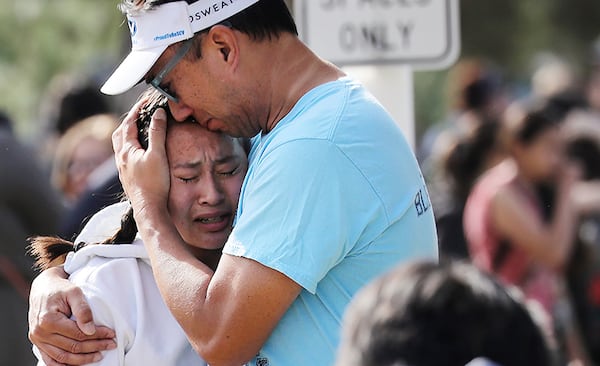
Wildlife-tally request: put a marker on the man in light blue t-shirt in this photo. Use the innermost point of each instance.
(333, 196)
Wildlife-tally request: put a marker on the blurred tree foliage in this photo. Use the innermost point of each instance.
(43, 38)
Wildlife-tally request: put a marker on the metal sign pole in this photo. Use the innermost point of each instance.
(393, 86)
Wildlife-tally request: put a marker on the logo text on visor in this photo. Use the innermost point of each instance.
(213, 8)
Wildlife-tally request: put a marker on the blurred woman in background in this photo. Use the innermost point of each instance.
(83, 148)
(504, 221)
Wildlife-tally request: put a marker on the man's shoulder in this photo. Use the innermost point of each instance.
(340, 111)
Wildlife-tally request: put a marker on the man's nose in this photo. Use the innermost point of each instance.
(179, 110)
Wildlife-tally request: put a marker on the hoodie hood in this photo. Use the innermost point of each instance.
(102, 226)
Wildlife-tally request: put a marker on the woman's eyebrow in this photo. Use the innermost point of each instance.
(194, 164)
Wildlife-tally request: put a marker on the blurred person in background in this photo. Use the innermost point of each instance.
(592, 91)
(551, 76)
(452, 314)
(477, 94)
(504, 222)
(454, 152)
(582, 133)
(83, 147)
(473, 153)
(68, 99)
(83, 163)
(28, 206)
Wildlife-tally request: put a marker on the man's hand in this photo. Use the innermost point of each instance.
(60, 340)
(143, 173)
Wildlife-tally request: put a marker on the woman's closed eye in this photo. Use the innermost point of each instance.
(228, 171)
(188, 179)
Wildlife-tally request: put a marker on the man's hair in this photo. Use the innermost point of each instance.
(425, 314)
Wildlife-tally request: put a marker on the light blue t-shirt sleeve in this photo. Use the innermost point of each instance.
(298, 209)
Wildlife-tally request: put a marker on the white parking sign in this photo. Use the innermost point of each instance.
(420, 33)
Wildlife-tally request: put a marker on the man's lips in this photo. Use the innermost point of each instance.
(204, 122)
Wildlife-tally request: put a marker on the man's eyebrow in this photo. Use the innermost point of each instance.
(148, 77)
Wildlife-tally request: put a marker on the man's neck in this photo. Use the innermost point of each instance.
(293, 71)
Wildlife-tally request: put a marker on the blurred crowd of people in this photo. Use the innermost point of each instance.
(514, 183)
(50, 187)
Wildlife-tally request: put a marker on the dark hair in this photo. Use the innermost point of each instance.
(534, 124)
(47, 250)
(537, 116)
(264, 19)
(78, 103)
(467, 158)
(429, 314)
(478, 94)
(585, 151)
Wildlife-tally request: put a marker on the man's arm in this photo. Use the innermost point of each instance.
(228, 314)
(61, 341)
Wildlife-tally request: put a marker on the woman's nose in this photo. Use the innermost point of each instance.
(211, 192)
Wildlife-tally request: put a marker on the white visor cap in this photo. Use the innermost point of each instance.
(156, 29)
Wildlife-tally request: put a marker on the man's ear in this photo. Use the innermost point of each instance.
(226, 41)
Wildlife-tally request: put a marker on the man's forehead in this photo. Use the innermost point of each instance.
(193, 130)
(204, 139)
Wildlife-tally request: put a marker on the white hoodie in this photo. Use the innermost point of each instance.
(118, 283)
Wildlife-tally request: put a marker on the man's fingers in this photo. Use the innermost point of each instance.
(117, 140)
(120, 134)
(157, 131)
(55, 356)
(82, 312)
(55, 325)
(56, 335)
(48, 361)
(103, 333)
(84, 350)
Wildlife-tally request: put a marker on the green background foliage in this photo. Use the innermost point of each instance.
(43, 38)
